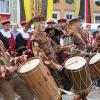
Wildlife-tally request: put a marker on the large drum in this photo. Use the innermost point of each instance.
(78, 73)
(94, 64)
(39, 79)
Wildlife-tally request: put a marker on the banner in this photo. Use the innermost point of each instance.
(27, 5)
(22, 10)
(82, 9)
(77, 7)
(87, 11)
(40, 7)
(25, 10)
(49, 9)
(44, 7)
(31, 8)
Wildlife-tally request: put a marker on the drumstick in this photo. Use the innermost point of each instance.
(67, 92)
(72, 63)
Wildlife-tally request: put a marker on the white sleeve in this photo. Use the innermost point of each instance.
(61, 42)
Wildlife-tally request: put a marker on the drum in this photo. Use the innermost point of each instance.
(39, 79)
(94, 66)
(78, 74)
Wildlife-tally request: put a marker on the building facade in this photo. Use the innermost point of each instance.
(66, 9)
(10, 7)
(62, 9)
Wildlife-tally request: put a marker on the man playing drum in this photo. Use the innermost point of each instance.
(41, 44)
(75, 26)
(45, 48)
(10, 81)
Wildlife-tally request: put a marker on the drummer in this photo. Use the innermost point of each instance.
(10, 81)
(45, 48)
(75, 26)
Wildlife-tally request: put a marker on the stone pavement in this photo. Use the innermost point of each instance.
(94, 95)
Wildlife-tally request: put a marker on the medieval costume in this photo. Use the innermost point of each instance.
(81, 44)
(6, 37)
(22, 40)
(10, 81)
(45, 48)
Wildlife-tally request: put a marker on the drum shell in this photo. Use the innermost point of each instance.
(41, 82)
(95, 71)
(80, 80)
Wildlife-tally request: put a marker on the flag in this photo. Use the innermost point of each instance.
(25, 10)
(77, 7)
(40, 7)
(82, 9)
(44, 7)
(49, 9)
(31, 8)
(87, 11)
(22, 11)
(27, 4)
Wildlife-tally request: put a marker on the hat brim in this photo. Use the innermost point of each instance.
(6, 22)
(38, 19)
(75, 20)
(50, 22)
(57, 32)
(63, 20)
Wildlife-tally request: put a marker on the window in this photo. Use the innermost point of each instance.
(4, 6)
(56, 15)
(97, 18)
(69, 15)
(69, 1)
(55, 1)
(97, 2)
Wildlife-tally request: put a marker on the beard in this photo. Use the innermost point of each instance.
(42, 29)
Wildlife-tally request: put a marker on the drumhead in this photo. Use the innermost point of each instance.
(74, 63)
(95, 59)
(29, 66)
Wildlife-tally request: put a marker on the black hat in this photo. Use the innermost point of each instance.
(75, 20)
(57, 32)
(51, 22)
(62, 20)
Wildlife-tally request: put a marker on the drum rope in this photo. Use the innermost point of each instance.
(49, 93)
(83, 80)
(42, 86)
(92, 68)
(30, 84)
(80, 82)
(88, 76)
(97, 70)
(52, 84)
(74, 81)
